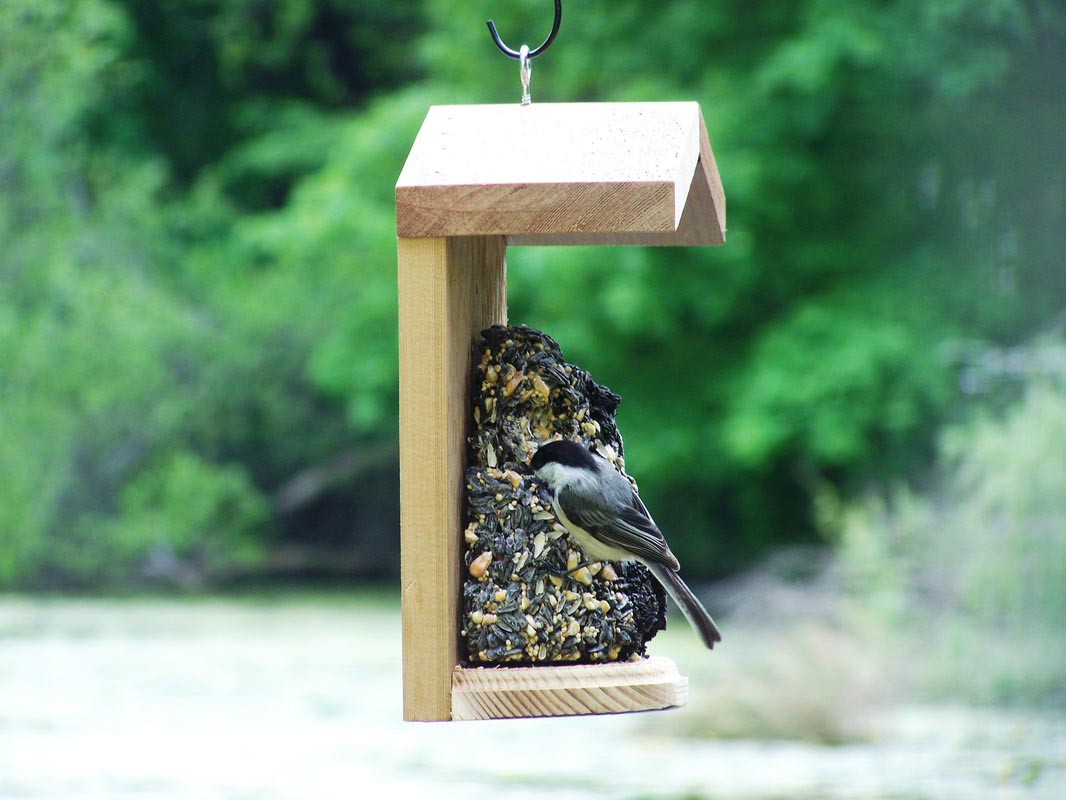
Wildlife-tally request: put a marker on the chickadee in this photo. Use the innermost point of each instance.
(605, 516)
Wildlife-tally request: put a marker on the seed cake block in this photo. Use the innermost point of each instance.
(518, 606)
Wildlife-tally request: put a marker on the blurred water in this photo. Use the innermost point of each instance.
(299, 697)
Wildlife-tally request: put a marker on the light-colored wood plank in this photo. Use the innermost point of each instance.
(702, 221)
(709, 202)
(500, 692)
(449, 291)
(598, 173)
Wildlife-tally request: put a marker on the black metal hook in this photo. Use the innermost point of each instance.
(532, 53)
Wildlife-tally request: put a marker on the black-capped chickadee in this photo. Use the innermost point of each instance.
(605, 516)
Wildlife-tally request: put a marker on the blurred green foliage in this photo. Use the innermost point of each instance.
(197, 279)
(971, 572)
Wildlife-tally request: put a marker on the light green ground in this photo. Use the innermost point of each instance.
(299, 697)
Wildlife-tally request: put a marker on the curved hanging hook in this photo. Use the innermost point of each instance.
(532, 53)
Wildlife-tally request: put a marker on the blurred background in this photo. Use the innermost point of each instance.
(850, 420)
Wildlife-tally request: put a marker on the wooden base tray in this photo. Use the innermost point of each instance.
(555, 691)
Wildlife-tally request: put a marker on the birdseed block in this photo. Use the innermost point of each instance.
(527, 599)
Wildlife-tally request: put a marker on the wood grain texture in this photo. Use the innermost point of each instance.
(449, 291)
(501, 692)
(580, 173)
(709, 208)
(702, 219)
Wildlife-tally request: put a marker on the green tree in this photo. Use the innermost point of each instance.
(196, 206)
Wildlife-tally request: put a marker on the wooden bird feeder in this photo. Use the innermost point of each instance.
(480, 178)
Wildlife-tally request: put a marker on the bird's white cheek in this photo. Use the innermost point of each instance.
(556, 475)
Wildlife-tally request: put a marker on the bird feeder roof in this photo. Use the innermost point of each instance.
(571, 173)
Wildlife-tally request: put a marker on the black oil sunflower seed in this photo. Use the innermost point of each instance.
(524, 609)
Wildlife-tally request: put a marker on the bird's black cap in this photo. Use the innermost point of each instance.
(569, 454)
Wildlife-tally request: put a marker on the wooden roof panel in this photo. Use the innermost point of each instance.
(579, 173)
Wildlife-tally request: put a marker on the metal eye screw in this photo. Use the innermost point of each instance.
(525, 73)
(524, 55)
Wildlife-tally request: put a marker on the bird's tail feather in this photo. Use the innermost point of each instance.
(690, 606)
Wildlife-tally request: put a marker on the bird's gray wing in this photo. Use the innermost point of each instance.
(626, 525)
